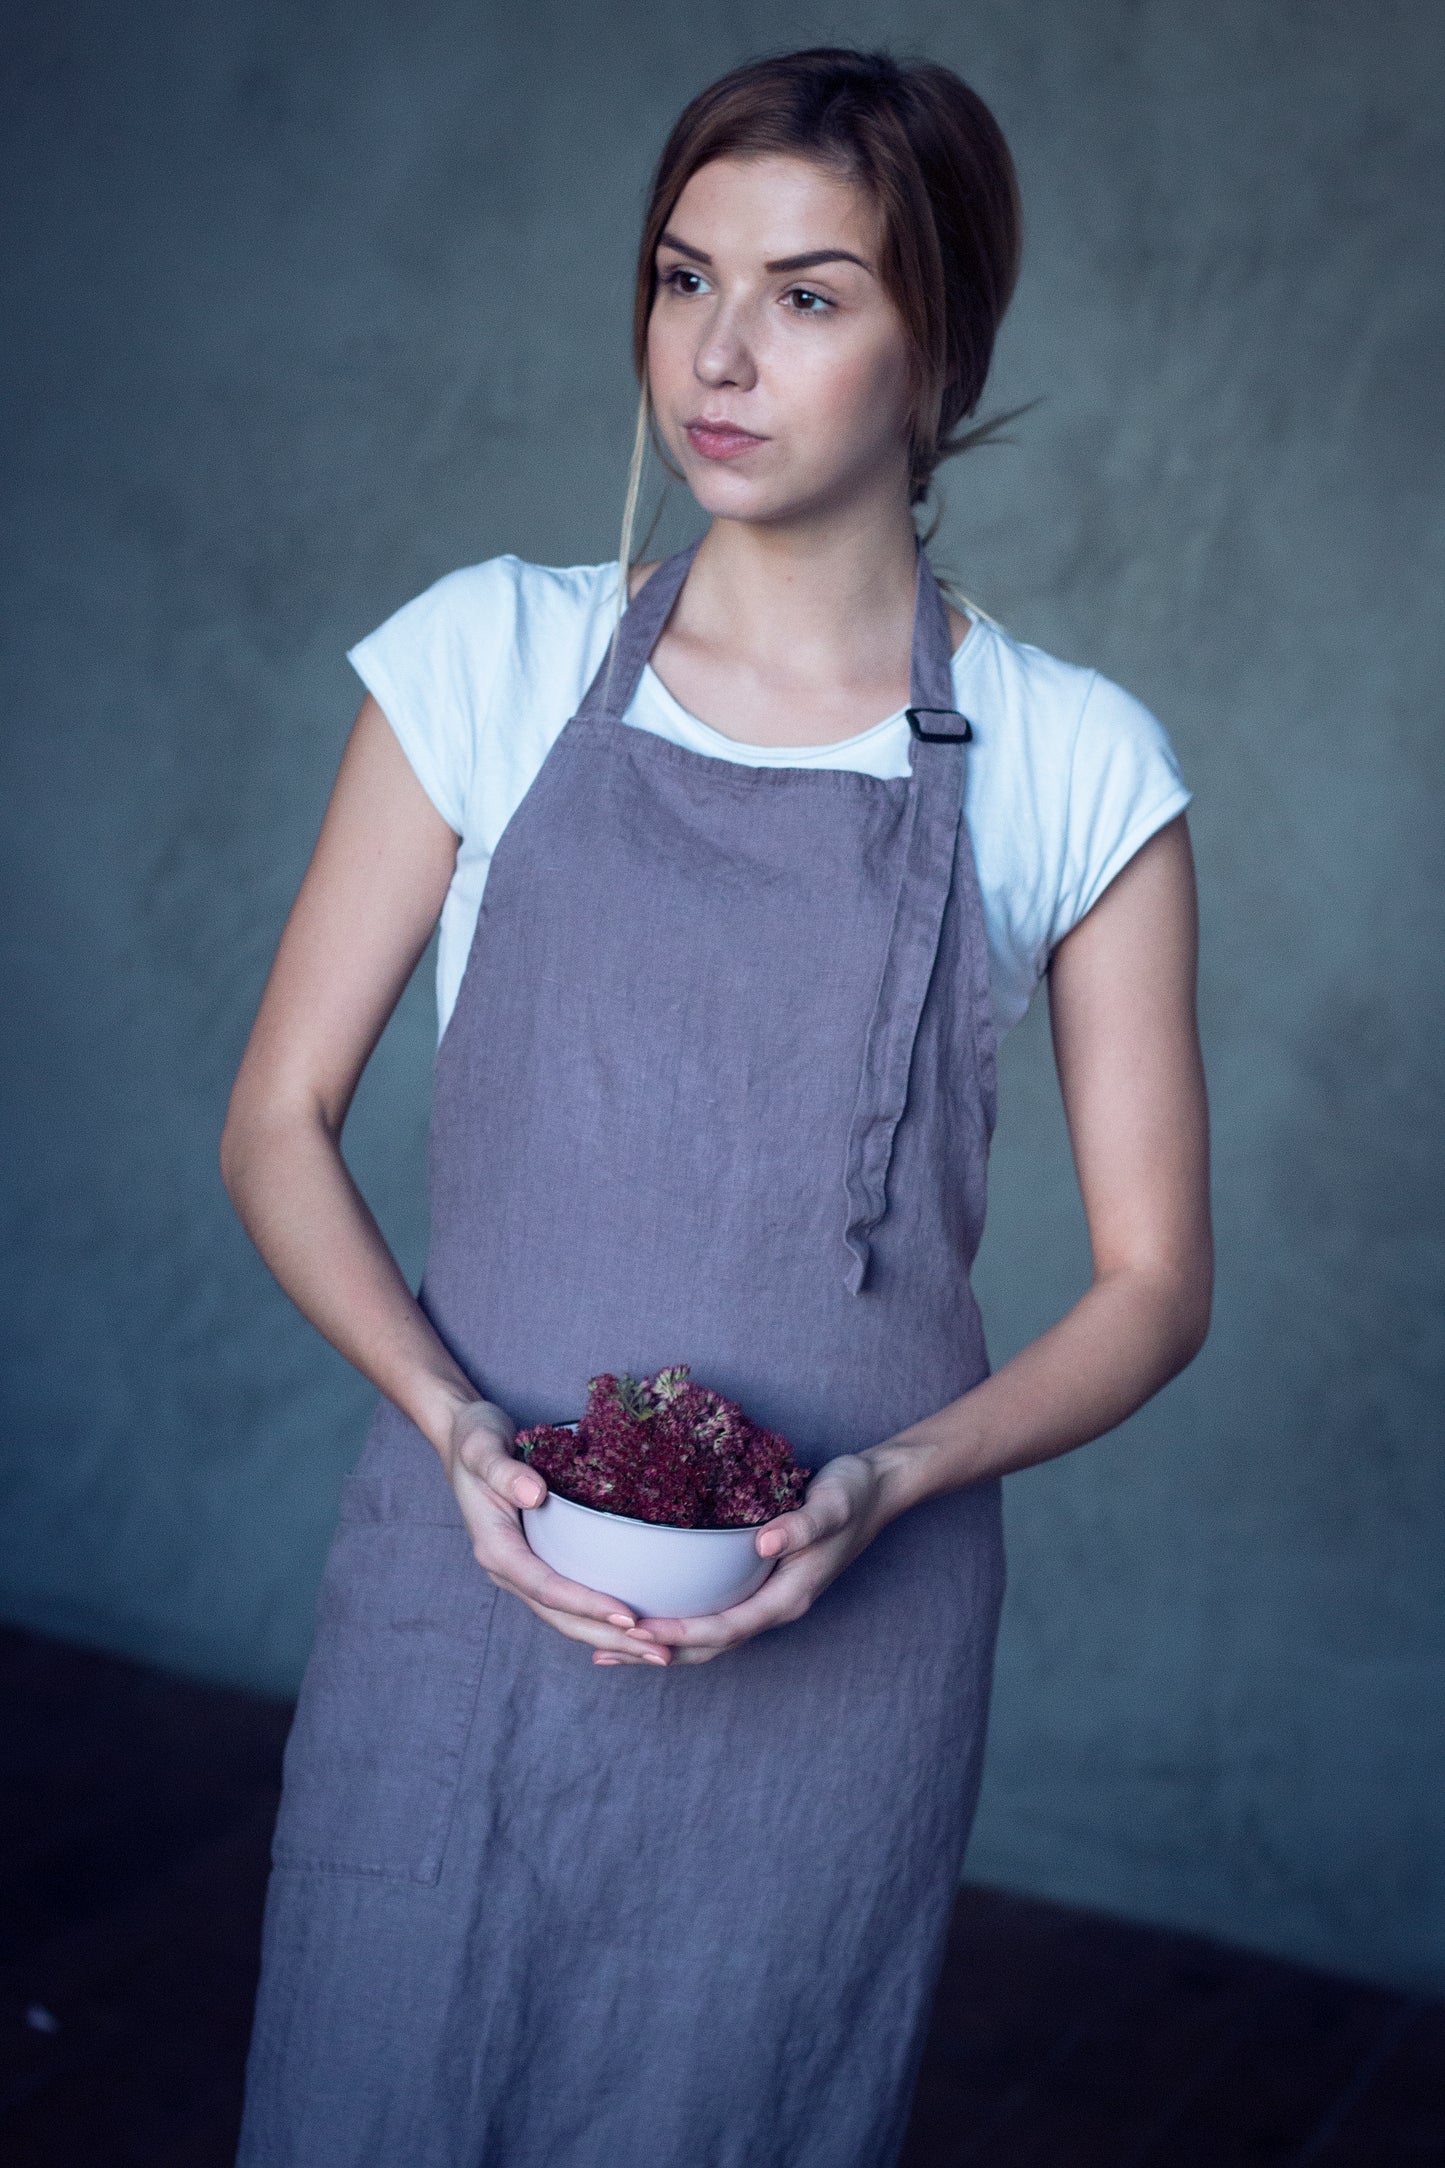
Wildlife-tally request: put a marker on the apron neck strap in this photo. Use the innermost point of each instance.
(931, 713)
(636, 635)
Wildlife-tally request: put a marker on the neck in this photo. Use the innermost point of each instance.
(795, 595)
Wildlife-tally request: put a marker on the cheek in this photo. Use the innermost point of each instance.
(667, 357)
(861, 395)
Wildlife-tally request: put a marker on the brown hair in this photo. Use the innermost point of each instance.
(933, 158)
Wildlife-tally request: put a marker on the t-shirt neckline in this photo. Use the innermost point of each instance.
(793, 756)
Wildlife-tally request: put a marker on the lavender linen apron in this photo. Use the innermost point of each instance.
(718, 1089)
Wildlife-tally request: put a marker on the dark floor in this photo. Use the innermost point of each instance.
(135, 1813)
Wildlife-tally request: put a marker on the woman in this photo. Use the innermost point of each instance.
(723, 959)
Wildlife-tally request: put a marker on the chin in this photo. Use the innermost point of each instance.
(727, 495)
(721, 501)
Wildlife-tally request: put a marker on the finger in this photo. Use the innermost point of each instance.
(826, 1510)
(595, 1633)
(783, 1597)
(510, 1560)
(514, 1482)
(487, 1452)
(520, 1485)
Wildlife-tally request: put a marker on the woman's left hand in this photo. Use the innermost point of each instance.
(846, 1504)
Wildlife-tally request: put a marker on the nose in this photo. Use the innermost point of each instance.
(724, 353)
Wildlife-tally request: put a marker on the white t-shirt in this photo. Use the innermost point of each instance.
(1066, 777)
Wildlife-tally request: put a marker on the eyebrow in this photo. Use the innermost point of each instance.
(807, 262)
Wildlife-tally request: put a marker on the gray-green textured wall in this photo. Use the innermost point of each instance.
(307, 305)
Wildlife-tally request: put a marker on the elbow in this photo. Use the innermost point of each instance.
(253, 1128)
(232, 1154)
(1167, 1301)
(1193, 1332)
(268, 1134)
(1189, 1307)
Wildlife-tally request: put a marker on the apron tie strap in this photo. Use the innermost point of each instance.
(935, 809)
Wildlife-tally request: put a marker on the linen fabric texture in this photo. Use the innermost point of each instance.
(717, 1087)
(1068, 774)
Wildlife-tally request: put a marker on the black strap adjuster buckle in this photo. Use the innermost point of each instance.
(960, 736)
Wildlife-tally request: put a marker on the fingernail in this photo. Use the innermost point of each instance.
(601, 1659)
(654, 1656)
(640, 1633)
(619, 1618)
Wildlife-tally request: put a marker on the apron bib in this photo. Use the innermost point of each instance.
(718, 1088)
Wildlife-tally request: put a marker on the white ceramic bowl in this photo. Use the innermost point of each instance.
(658, 1572)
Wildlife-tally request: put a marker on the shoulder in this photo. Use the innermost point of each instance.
(1065, 722)
(476, 668)
(1072, 773)
(487, 629)
(477, 611)
(1023, 686)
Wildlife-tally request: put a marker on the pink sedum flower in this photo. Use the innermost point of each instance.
(663, 1449)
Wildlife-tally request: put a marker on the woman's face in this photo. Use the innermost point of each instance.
(778, 363)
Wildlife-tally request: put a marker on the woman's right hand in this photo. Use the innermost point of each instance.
(492, 1485)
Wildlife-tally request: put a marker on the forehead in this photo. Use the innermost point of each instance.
(771, 205)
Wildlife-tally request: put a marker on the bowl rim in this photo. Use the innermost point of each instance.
(630, 1520)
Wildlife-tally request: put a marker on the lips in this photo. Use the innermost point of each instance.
(720, 440)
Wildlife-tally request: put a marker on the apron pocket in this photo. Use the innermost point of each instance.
(375, 1752)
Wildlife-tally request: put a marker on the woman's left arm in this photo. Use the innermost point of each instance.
(1126, 1041)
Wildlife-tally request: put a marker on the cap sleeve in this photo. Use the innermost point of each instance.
(1124, 784)
(432, 668)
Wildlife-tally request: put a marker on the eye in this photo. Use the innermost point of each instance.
(676, 278)
(806, 302)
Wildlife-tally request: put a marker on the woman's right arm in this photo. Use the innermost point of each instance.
(364, 913)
